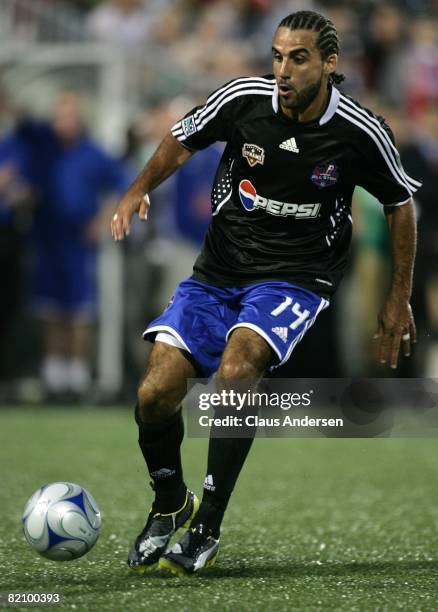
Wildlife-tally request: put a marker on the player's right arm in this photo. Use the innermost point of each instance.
(169, 156)
(203, 125)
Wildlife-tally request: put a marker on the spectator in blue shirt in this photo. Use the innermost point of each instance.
(72, 174)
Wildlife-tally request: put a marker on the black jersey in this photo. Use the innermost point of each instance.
(281, 199)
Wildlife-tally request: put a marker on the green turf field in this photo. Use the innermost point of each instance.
(314, 524)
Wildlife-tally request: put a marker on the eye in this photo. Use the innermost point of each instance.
(300, 59)
(276, 57)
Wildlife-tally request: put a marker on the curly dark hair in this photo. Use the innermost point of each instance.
(327, 41)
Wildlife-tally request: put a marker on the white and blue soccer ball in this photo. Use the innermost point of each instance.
(61, 521)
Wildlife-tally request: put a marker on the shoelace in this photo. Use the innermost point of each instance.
(160, 526)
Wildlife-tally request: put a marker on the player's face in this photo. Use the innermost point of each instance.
(300, 72)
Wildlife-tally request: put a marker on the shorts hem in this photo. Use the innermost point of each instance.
(397, 204)
(168, 329)
(259, 331)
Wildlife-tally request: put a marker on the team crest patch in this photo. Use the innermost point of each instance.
(189, 125)
(253, 154)
(325, 176)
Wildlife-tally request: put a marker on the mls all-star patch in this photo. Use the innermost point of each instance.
(325, 175)
(253, 154)
(189, 125)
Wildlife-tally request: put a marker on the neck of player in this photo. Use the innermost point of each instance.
(315, 108)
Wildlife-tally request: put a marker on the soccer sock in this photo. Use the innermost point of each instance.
(226, 457)
(160, 444)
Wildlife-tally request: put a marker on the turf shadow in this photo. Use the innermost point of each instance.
(282, 569)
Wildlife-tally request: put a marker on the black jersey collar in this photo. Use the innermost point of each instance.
(329, 111)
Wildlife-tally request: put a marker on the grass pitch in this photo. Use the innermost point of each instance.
(314, 524)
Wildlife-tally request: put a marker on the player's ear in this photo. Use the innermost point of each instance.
(330, 64)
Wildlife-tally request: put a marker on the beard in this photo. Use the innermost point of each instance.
(304, 98)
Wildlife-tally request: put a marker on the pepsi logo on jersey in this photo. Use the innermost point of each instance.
(251, 200)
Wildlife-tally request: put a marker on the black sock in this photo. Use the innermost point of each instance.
(226, 457)
(160, 444)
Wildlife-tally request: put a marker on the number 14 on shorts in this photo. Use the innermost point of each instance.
(296, 309)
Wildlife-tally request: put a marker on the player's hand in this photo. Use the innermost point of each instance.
(396, 328)
(127, 207)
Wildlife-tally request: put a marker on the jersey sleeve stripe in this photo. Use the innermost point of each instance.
(177, 129)
(207, 112)
(260, 92)
(348, 105)
(383, 137)
(392, 149)
(243, 88)
(394, 169)
(244, 80)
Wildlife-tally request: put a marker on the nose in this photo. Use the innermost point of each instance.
(285, 70)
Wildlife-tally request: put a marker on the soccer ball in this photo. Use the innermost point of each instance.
(61, 521)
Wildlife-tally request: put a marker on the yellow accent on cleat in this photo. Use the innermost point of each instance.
(195, 509)
(178, 570)
(175, 569)
(194, 513)
(175, 511)
(212, 561)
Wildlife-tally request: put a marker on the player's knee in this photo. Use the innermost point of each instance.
(231, 369)
(153, 403)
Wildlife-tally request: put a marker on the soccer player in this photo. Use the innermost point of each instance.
(274, 253)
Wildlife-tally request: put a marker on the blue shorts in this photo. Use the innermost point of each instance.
(202, 316)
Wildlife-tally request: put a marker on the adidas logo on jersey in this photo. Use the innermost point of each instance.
(281, 332)
(290, 145)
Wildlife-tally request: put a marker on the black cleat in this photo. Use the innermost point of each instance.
(196, 549)
(151, 543)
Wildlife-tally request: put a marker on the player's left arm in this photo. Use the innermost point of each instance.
(396, 325)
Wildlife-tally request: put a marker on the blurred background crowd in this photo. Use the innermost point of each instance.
(88, 89)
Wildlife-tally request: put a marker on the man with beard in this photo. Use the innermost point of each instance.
(274, 253)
